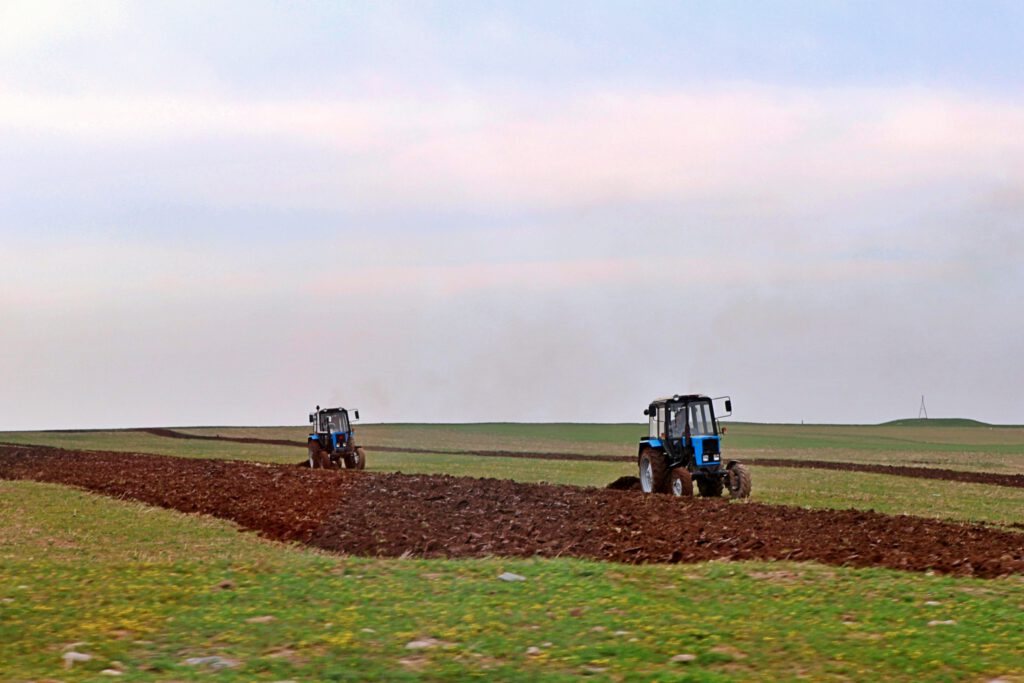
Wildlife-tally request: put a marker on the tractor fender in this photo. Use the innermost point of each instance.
(649, 443)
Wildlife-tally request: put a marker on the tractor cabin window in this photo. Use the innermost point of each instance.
(701, 423)
(677, 422)
(335, 422)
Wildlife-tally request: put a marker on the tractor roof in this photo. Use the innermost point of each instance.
(679, 397)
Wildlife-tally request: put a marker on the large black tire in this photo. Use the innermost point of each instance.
(315, 454)
(710, 487)
(653, 471)
(356, 460)
(680, 483)
(739, 480)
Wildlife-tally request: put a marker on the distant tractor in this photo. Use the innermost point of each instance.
(684, 445)
(332, 442)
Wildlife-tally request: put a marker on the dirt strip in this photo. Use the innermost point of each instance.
(966, 476)
(170, 433)
(994, 479)
(173, 434)
(390, 515)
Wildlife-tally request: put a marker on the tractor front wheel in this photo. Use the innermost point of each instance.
(680, 482)
(356, 460)
(709, 487)
(739, 480)
(653, 471)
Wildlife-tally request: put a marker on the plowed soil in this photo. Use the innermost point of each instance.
(971, 477)
(366, 513)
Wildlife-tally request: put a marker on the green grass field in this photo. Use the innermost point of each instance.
(138, 588)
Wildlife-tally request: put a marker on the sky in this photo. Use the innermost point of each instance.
(229, 212)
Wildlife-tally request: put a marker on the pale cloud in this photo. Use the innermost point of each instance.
(27, 26)
(192, 218)
(626, 274)
(781, 144)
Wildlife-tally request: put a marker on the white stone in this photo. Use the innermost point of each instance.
(260, 620)
(213, 661)
(684, 658)
(509, 576)
(71, 657)
(422, 644)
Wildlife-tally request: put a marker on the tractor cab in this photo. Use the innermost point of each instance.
(332, 439)
(685, 426)
(683, 444)
(331, 421)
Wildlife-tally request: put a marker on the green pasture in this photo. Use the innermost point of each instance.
(907, 435)
(143, 590)
(952, 444)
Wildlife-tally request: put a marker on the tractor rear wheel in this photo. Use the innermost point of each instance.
(709, 487)
(680, 483)
(314, 455)
(653, 471)
(739, 481)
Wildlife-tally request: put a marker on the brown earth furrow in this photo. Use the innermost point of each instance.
(281, 503)
(966, 476)
(375, 514)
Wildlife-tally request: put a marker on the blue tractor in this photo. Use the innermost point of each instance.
(332, 442)
(684, 445)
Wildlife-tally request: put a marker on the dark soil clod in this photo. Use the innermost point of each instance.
(625, 484)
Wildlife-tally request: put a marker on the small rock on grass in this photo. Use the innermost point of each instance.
(213, 662)
(942, 622)
(683, 658)
(415, 663)
(509, 576)
(260, 620)
(71, 657)
(112, 672)
(533, 650)
(424, 643)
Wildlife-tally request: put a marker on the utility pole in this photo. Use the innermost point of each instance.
(922, 411)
